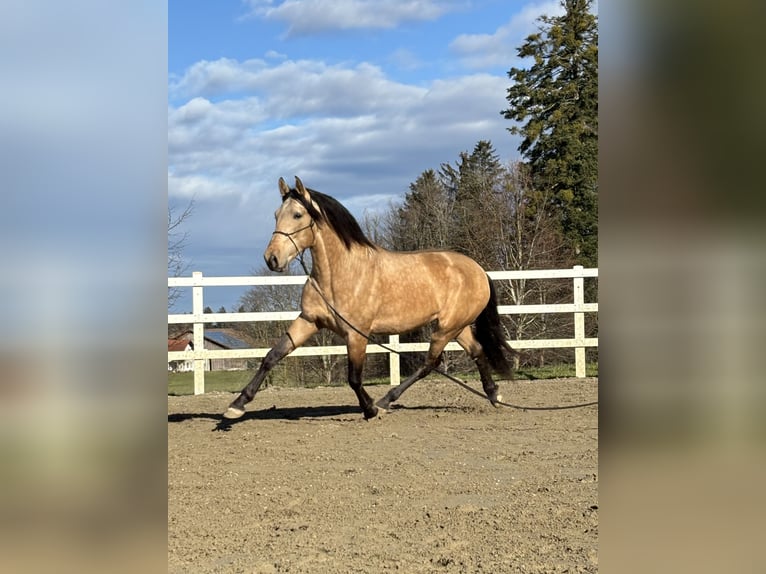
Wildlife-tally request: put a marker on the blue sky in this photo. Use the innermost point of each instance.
(356, 97)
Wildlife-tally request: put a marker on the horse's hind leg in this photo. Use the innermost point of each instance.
(439, 340)
(467, 340)
(394, 394)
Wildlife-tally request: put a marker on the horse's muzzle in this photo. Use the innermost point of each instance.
(273, 263)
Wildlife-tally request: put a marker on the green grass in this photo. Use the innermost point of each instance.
(555, 371)
(233, 381)
(229, 381)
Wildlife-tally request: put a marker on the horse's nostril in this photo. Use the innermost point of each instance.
(272, 262)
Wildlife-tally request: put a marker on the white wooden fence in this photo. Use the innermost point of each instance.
(199, 355)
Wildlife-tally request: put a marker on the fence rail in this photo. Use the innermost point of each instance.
(197, 282)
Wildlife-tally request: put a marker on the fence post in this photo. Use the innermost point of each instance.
(393, 359)
(579, 322)
(198, 335)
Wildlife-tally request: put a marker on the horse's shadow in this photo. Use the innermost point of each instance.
(286, 413)
(271, 413)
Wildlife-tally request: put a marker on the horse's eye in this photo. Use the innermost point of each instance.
(297, 215)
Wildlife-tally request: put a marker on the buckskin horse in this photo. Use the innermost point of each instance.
(357, 289)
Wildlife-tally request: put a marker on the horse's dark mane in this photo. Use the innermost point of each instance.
(335, 215)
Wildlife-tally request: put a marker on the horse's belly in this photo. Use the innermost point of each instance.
(404, 314)
(392, 326)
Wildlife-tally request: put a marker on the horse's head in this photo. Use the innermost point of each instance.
(295, 228)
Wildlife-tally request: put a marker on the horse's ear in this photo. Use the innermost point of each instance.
(283, 189)
(301, 189)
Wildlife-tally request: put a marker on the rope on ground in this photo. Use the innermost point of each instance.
(467, 387)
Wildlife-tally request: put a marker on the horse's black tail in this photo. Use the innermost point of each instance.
(489, 333)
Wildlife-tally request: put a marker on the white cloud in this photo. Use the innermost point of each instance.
(306, 17)
(200, 188)
(303, 86)
(351, 132)
(201, 122)
(480, 51)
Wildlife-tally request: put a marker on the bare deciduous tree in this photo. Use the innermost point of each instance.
(177, 239)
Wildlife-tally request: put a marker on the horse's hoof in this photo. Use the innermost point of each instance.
(233, 413)
(496, 401)
(383, 404)
(377, 413)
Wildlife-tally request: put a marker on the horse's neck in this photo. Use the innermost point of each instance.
(332, 263)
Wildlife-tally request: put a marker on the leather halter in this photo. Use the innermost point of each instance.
(289, 236)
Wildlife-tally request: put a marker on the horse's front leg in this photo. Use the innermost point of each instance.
(298, 333)
(357, 353)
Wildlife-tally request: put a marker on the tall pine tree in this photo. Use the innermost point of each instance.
(477, 212)
(555, 102)
(423, 220)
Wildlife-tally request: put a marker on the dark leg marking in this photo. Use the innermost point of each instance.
(394, 394)
(489, 385)
(355, 368)
(283, 347)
